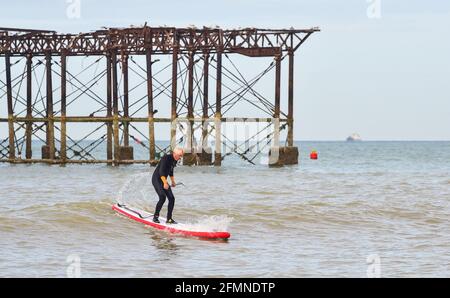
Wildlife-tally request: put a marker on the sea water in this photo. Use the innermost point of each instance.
(360, 205)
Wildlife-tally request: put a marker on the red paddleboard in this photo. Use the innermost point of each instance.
(179, 228)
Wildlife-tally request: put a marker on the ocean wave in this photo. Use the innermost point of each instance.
(81, 212)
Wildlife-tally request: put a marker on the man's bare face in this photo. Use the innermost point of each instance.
(177, 154)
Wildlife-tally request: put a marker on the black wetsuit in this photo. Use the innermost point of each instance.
(164, 168)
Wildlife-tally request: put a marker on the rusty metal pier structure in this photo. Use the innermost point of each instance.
(38, 86)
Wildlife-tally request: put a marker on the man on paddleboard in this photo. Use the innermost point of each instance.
(159, 181)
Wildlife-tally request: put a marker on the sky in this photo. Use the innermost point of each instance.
(380, 68)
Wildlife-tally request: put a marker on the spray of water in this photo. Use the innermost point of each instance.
(216, 223)
(137, 191)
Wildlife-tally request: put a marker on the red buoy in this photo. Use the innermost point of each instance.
(313, 154)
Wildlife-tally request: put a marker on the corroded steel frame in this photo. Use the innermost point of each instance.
(117, 45)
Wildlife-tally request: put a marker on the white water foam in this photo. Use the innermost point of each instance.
(215, 223)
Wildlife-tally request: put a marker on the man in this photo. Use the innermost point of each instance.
(159, 181)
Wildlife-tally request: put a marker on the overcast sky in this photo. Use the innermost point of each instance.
(381, 73)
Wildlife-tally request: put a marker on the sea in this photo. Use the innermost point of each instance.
(362, 209)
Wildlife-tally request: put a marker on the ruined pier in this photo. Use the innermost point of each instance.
(188, 70)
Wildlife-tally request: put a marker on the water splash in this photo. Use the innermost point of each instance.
(137, 191)
(215, 223)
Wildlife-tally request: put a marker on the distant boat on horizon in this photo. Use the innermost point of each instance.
(354, 138)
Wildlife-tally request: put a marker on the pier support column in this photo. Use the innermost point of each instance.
(218, 115)
(205, 157)
(109, 148)
(126, 138)
(125, 151)
(9, 98)
(276, 115)
(63, 149)
(115, 100)
(28, 126)
(274, 158)
(190, 103)
(190, 156)
(48, 151)
(290, 135)
(280, 156)
(173, 126)
(151, 121)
